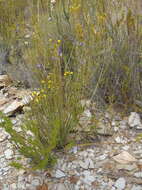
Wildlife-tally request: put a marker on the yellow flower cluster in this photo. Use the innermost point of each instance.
(51, 40)
(37, 95)
(67, 73)
(48, 83)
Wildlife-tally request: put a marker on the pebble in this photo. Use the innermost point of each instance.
(102, 157)
(13, 186)
(88, 178)
(9, 154)
(138, 187)
(125, 147)
(35, 182)
(3, 136)
(84, 164)
(59, 174)
(134, 120)
(138, 174)
(120, 183)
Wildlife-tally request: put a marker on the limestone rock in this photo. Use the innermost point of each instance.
(134, 120)
(120, 183)
(9, 154)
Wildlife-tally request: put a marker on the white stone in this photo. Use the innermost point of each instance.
(136, 187)
(115, 129)
(138, 174)
(27, 99)
(124, 158)
(121, 140)
(3, 136)
(13, 106)
(125, 147)
(118, 140)
(83, 153)
(84, 164)
(120, 183)
(113, 123)
(9, 154)
(102, 157)
(35, 182)
(88, 178)
(13, 186)
(91, 164)
(87, 113)
(59, 174)
(134, 120)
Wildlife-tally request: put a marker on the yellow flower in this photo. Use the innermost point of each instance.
(34, 93)
(50, 40)
(42, 91)
(42, 81)
(68, 73)
(59, 41)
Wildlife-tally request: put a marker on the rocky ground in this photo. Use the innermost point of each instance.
(111, 161)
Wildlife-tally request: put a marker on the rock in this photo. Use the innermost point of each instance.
(120, 140)
(103, 129)
(13, 107)
(5, 80)
(136, 187)
(3, 101)
(60, 186)
(91, 164)
(9, 154)
(128, 167)
(125, 147)
(84, 165)
(88, 163)
(124, 158)
(35, 182)
(88, 178)
(134, 120)
(102, 157)
(3, 135)
(138, 174)
(120, 183)
(5, 187)
(59, 174)
(13, 186)
(27, 99)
